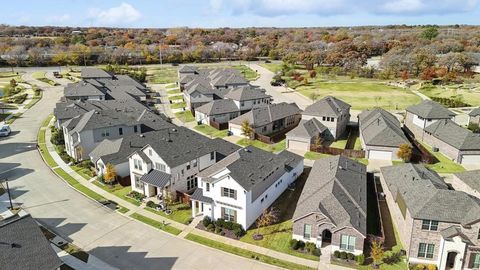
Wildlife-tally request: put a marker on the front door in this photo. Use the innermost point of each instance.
(451, 260)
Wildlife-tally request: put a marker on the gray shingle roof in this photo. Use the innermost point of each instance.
(188, 69)
(219, 106)
(337, 188)
(246, 93)
(328, 106)
(81, 89)
(430, 110)
(32, 250)
(106, 149)
(449, 132)
(264, 168)
(475, 112)
(426, 195)
(265, 114)
(308, 129)
(156, 178)
(453, 231)
(470, 178)
(93, 73)
(198, 196)
(381, 128)
(70, 109)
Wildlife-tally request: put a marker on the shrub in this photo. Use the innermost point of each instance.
(310, 247)
(236, 226)
(301, 244)
(336, 254)
(317, 252)
(189, 221)
(350, 256)
(239, 232)
(211, 227)
(343, 255)
(360, 259)
(228, 225)
(151, 204)
(294, 244)
(206, 221)
(431, 267)
(220, 223)
(419, 267)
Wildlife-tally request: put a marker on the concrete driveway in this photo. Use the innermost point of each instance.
(118, 240)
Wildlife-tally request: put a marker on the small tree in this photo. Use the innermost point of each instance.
(376, 252)
(110, 174)
(247, 130)
(405, 152)
(13, 83)
(318, 141)
(313, 74)
(168, 198)
(268, 217)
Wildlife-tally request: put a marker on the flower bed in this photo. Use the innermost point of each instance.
(302, 247)
(220, 226)
(347, 258)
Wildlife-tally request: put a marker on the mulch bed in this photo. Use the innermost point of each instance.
(228, 233)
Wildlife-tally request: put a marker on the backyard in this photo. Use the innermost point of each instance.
(444, 164)
(211, 131)
(277, 147)
(314, 156)
(185, 116)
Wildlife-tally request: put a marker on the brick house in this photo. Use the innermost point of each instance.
(420, 116)
(436, 225)
(332, 209)
(468, 182)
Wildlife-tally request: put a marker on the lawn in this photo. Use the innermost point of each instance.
(445, 164)
(273, 67)
(339, 144)
(468, 95)
(177, 97)
(118, 191)
(277, 147)
(156, 224)
(358, 144)
(173, 85)
(247, 72)
(314, 156)
(40, 76)
(246, 253)
(182, 213)
(211, 131)
(83, 172)
(162, 75)
(171, 92)
(185, 116)
(83, 189)
(277, 236)
(178, 105)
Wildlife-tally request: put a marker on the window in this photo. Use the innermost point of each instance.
(105, 133)
(212, 155)
(323, 118)
(138, 183)
(194, 163)
(229, 214)
(242, 103)
(307, 231)
(347, 242)
(188, 167)
(429, 225)
(160, 167)
(150, 152)
(120, 131)
(137, 164)
(228, 192)
(135, 129)
(207, 187)
(192, 182)
(476, 260)
(425, 250)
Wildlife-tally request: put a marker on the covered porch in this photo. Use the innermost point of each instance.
(452, 248)
(201, 205)
(155, 184)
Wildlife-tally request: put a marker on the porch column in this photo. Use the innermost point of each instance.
(193, 209)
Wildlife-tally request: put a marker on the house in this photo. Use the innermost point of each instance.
(3, 107)
(219, 111)
(199, 93)
(248, 97)
(186, 71)
(457, 143)
(245, 183)
(82, 91)
(95, 73)
(468, 182)
(381, 134)
(474, 117)
(420, 116)
(305, 134)
(268, 119)
(23, 245)
(170, 160)
(436, 225)
(84, 132)
(332, 113)
(332, 209)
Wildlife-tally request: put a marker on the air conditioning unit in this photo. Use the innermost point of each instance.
(435, 149)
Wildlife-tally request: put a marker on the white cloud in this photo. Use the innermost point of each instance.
(427, 6)
(122, 14)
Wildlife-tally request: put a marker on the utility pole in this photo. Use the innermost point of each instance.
(161, 57)
(9, 195)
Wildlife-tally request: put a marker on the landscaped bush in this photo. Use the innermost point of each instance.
(136, 195)
(310, 247)
(151, 204)
(343, 255)
(336, 254)
(431, 267)
(218, 230)
(57, 136)
(360, 259)
(211, 227)
(294, 244)
(206, 221)
(350, 256)
(239, 231)
(391, 257)
(317, 252)
(220, 223)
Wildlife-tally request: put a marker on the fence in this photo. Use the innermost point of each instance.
(420, 153)
(274, 137)
(219, 126)
(337, 151)
(183, 197)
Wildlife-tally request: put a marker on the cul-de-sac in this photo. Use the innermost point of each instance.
(232, 135)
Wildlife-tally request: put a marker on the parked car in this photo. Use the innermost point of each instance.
(275, 83)
(5, 130)
(57, 74)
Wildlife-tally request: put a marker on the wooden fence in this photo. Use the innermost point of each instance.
(274, 137)
(337, 151)
(219, 126)
(183, 197)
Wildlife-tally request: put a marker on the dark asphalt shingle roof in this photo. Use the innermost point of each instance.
(254, 169)
(470, 178)
(449, 132)
(429, 109)
(198, 196)
(246, 93)
(219, 106)
(81, 89)
(308, 129)
(70, 109)
(328, 106)
(266, 114)
(93, 73)
(381, 128)
(426, 195)
(337, 188)
(475, 112)
(32, 250)
(156, 178)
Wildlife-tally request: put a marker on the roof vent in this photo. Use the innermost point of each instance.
(142, 136)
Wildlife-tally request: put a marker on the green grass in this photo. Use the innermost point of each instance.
(314, 156)
(185, 116)
(358, 144)
(83, 172)
(444, 164)
(181, 213)
(171, 92)
(119, 191)
(277, 147)
(248, 73)
(339, 144)
(246, 253)
(13, 118)
(177, 97)
(46, 155)
(162, 75)
(47, 120)
(170, 86)
(123, 210)
(83, 189)
(470, 96)
(34, 100)
(178, 105)
(273, 67)
(156, 224)
(40, 76)
(211, 131)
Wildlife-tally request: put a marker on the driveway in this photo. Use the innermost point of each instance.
(113, 238)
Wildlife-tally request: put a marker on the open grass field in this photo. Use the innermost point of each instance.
(157, 75)
(468, 94)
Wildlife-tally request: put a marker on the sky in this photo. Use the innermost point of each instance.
(238, 13)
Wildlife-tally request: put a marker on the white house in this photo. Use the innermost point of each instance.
(242, 185)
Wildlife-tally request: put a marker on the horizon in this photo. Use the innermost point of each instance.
(241, 13)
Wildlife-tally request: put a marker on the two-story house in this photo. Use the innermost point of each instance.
(474, 117)
(171, 159)
(332, 209)
(468, 182)
(436, 225)
(248, 97)
(245, 183)
(420, 116)
(83, 91)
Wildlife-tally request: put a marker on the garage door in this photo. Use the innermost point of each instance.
(298, 145)
(383, 155)
(235, 131)
(471, 159)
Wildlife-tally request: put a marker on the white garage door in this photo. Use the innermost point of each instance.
(471, 159)
(383, 155)
(236, 131)
(297, 145)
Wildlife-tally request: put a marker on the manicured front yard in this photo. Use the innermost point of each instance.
(74, 183)
(314, 156)
(277, 147)
(156, 224)
(181, 213)
(118, 191)
(178, 105)
(177, 97)
(211, 131)
(246, 253)
(185, 116)
(85, 173)
(445, 164)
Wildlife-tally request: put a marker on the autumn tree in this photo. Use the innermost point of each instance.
(405, 152)
(268, 217)
(110, 174)
(376, 252)
(247, 130)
